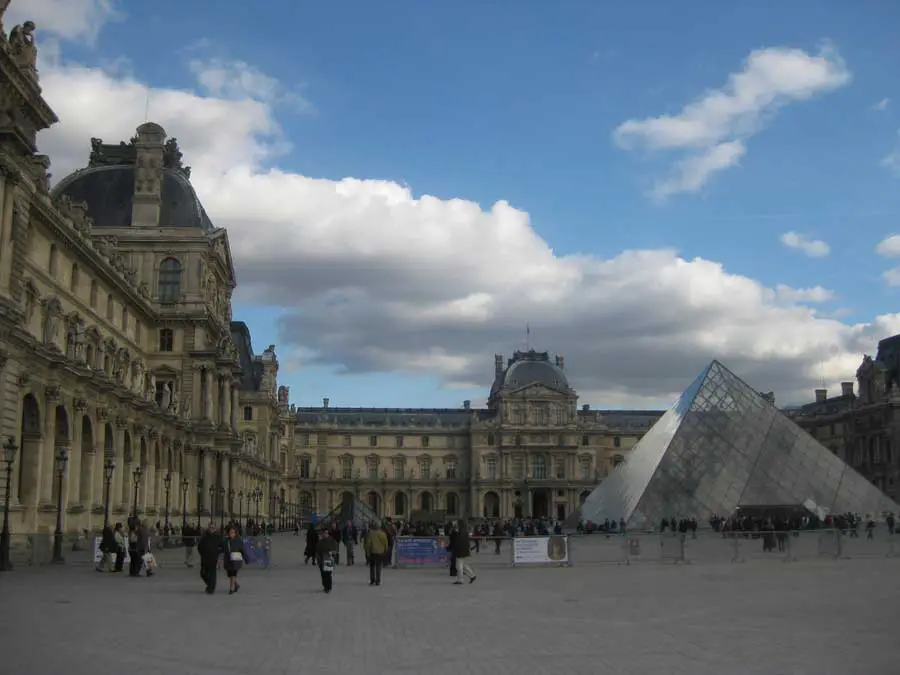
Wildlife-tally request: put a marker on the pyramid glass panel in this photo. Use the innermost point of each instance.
(721, 446)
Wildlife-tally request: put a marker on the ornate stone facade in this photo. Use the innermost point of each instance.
(530, 452)
(863, 427)
(116, 340)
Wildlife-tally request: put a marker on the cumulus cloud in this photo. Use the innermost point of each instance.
(370, 276)
(239, 80)
(814, 248)
(889, 247)
(711, 132)
(76, 20)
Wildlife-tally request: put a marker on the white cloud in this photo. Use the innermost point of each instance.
(801, 295)
(883, 104)
(889, 247)
(814, 248)
(713, 130)
(75, 20)
(239, 80)
(370, 276)
(892, 276)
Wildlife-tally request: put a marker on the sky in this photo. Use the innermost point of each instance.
(407, 186)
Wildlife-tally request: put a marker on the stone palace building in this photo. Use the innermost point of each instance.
(125, 384)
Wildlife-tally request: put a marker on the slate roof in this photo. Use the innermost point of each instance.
(253, 369)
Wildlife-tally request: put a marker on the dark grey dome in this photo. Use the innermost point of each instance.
(109, 190)
(531, 367)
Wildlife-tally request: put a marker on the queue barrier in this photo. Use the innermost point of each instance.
(637, 548)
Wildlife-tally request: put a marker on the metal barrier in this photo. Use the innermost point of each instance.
(639, 548)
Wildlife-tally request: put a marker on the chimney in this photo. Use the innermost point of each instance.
(561, 361)
(821, 395)
(148, 175)
(586, 407)
(498, 364)
(467, 405)
(325, 402)
(846, 389)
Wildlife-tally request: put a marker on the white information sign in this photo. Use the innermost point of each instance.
(552, 550)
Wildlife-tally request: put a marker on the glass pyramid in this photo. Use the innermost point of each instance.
(721, 446)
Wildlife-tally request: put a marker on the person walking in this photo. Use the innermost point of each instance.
(234, 559)
(375, 545)
(460, 548)
(312, 538)
(326, 551)
(208, 548)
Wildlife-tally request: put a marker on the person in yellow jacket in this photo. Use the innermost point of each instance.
(375, 545)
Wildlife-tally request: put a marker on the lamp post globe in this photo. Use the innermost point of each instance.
(62, 458)
(10, 449)
(109, 468)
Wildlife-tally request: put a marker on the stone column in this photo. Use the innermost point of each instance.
(48, 447)
(227, 415)
(121, 479)
(235, 405)
(208, 393)
(72, 479)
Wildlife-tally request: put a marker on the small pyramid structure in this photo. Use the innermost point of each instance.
(350, 509)
(720, 447)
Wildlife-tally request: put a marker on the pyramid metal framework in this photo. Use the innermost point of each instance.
(351, 509)
(721, 446)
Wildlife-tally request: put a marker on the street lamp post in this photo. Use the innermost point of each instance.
(9, 456)
(185, 486)
(62, 458)
(167, 486)
(282, 518)
(109, 467)
(138, 472)
(231, 494)
(212, 503)
(249, 499)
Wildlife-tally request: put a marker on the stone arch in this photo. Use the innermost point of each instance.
(83, 490)
(400, 503)
(62, 426)
(426, 501)
(109, 440)
(29, 450)
(62, 440)
(491, 505)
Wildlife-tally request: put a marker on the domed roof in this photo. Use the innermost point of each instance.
(107, 184)
(531, 367)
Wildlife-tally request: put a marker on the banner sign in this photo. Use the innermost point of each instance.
(257, 551)
(98, 554)
(422, 551)
(552, 550)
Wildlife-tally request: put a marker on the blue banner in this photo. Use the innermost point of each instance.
(257, 551)
(422, 551)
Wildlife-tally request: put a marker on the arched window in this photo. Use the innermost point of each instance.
(73, 278)
(93, 294)
(169, 289)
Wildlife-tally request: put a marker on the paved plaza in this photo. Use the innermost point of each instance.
(816, 616)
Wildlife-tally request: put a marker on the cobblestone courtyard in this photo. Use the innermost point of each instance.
(762, 617)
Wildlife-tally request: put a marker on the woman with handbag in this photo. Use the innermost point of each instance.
(234, 559)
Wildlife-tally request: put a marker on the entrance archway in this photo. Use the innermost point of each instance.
(491, 505)
(373, 499)
(452, 505)
(87, 456)
(540, 504)
(426, 502)
(560, 511)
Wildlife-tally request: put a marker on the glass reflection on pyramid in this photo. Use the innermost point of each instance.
(721, 446)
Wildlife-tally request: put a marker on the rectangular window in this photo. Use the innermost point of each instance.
(585, 441)
(372, 468)
(617, 442)
(346, 468)
(585, 467)
(166, 339)
(305, 441)
(125, 320)
(426, 442)
(304, 467)
(399, 441)
(398, 470)
(373, 441)
(347, 441)
(451, 469)
(248, 413)
(425, 468)
(491, 464)
(560, 468)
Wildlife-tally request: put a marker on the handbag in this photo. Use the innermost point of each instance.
(237, 556)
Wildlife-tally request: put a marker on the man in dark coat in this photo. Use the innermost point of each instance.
(209, 547)
(459, 548)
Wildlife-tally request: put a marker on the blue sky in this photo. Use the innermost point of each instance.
(519, 101)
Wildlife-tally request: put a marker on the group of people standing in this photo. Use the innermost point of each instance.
(323, 547)
(115, 541)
